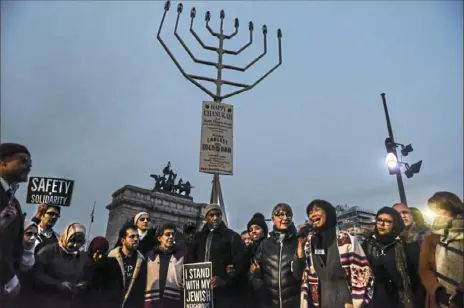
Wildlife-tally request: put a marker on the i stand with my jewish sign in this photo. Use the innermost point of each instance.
(52, 191)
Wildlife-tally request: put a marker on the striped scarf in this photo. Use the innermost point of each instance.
(449, 254)
(173, 287)
(358, 273)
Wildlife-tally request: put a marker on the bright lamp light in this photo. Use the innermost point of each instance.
(428, 214)
(392, 161)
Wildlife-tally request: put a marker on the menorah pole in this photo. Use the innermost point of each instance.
(216, 191)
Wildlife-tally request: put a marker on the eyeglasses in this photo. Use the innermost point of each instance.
(77, 240)
(169, 234)
(144, 219)
(217, 214)
(31, 234)
(387, 222)
(282, 215)
(22, 159)
(53, 214)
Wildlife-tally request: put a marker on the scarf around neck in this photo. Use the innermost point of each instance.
(70, 232)
(449, 254)
(28, 260)
(46, 233)
(142, 234)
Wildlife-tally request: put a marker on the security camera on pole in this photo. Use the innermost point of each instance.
(216, 151)
(394, 165)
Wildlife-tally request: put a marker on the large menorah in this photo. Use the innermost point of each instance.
(216, 192)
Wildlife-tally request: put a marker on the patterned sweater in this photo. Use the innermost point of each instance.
(358, 273)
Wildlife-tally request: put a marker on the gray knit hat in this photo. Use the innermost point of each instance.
(210, 207)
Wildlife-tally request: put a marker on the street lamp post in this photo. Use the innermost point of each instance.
(399, 177)
(218, 96)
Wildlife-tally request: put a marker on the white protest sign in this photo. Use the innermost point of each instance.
(217, 134)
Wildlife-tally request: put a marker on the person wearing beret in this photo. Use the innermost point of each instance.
(15, 164)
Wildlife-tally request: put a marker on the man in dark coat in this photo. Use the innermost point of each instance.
(15, 164)
(222, 247)
(119, 280)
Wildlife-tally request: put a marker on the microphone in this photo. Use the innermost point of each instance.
(305, 230)
(14, 187)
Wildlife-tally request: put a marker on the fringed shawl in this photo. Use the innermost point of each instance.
(358, 273)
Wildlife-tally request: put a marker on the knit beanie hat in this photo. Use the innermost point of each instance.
(259, 220)
(9, 149)
(137, 217)
(211, 207)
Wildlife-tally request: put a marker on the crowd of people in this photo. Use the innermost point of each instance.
(401, 264)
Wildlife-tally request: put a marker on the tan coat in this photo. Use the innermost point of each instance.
(427, 268)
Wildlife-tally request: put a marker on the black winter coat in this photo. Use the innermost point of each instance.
(148, 242)
(108, 284)
(226, 249)
(11, 242)
(274, 280)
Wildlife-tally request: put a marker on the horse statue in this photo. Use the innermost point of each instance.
(169, 185)
(186, 188)
(159, 181)
(178, 186)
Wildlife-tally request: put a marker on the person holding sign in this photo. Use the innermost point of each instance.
(222, 247)
(164, 271)
(46, 218)
(15, 165)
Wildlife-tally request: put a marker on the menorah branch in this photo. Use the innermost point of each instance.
(179, 67)
(176, 34)
(213, 80)
(250, 41)
(221, 51)
(228, 37)
(192, 17)
(204, 78)
(211, 30)
(243, 69)
(279, 35)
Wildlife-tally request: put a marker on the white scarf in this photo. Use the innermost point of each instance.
(142, 234)
(28, 258)
(449, 254)
(47, 233)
